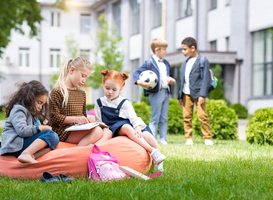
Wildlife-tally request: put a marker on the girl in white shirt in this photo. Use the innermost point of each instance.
(118, 113)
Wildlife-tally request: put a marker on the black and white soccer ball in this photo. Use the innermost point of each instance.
(151, 78)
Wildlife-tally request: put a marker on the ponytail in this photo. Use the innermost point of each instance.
(61, 81)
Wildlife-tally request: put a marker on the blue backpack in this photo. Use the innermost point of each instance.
(213, 79)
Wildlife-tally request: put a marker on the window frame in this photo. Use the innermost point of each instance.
(54, 58)
(265, 63)
(24, 57)
(189, 6)
(212, 6)
(135, 15)
(154, 24)
(85, 16)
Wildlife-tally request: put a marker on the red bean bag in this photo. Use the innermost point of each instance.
(71, 160)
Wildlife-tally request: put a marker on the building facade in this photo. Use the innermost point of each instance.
(236, 34)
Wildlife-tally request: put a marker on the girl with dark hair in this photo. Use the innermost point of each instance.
(24, 136)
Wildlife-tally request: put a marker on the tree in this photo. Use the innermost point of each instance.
(108, 53)
(13, 14)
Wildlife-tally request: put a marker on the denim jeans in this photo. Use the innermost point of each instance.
(49, 136)
(159, 113)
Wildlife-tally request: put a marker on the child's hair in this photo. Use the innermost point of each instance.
(78, 63)
(26, 96)
(158, 43)
(115, 76)
(189, 41)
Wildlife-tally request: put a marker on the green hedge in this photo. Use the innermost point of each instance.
(260, 128)
(90, 106)
(240, 110)
(175, 118)
(223, 121)
(143, 111)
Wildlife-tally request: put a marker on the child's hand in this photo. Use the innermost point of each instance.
(144, 84)
(170, 80)
(45, 127)
(138, 132)
(81, 120)
(202, 100)
(180, 103)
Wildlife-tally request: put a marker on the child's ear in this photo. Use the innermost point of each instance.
(71, 70)
(192, 48)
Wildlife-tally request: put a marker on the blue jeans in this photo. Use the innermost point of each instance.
(49, 136)
(159, 113)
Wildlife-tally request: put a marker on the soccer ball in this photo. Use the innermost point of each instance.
(151, 78)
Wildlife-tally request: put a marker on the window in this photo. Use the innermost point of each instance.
(157, 12)
(55, 58)
(227, 43)
(184, 8)
(135, 88)
(56, 19)
(116, 12)
(85, 53)
(262, 69)
(213, 45)
(23, 57)
(135, 7)
(213, 4)
(85, 23)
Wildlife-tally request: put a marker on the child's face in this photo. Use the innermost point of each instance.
(40, 101)
(187, 51)
(78, 77)
(111, 89)
(160, 52)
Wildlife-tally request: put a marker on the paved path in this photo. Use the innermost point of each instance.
(241, 128)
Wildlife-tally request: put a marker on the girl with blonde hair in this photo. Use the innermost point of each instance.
(68, 103)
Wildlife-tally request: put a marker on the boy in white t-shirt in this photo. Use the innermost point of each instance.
(193, 89)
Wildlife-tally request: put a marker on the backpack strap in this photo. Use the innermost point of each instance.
(202, 60)
(148, 63)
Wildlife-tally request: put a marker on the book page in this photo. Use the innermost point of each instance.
(79, 127)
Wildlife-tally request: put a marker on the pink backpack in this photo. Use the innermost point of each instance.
(103, 166)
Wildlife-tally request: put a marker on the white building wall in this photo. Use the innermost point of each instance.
(219, 23)
(184, 28)
(135, 45)
(260, 14)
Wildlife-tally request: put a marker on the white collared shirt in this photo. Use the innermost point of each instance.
(162, 71)
(190, 63)
(126, 111)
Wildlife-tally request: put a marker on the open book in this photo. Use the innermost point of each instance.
(80, 127)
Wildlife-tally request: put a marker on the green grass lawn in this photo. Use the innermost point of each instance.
(2, 116)
(227, 170)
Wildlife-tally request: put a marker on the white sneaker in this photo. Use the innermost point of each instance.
(189, 142)
(157, 156)
(163, 142)
(208, 142)
(159, 167)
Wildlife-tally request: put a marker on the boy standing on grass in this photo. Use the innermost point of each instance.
(159, 95)
(193, 89)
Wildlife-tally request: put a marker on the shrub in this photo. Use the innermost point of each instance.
(90, 106)
(143, 111)
(240, 110)
(1, 108)
(175, 118)
(260, 128)
(223, 121)
(145, 99)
